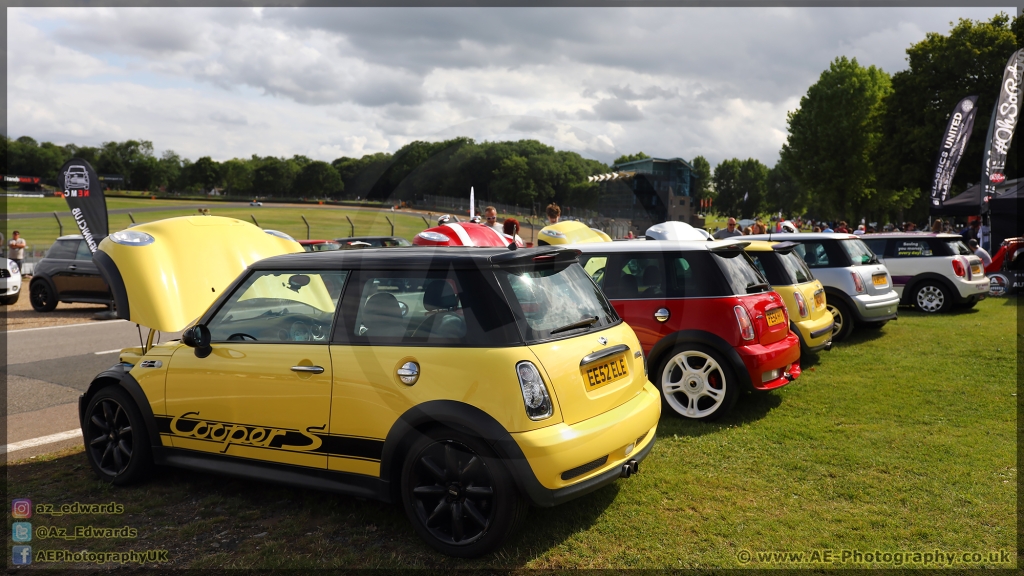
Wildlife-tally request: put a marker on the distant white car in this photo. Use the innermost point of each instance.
(10, 283)
(255, 203)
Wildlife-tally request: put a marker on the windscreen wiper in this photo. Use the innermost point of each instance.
(754, 288)
(578, 324)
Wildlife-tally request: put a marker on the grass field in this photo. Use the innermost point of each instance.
(901, 439)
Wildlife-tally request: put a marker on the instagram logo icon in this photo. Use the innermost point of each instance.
(21, 508)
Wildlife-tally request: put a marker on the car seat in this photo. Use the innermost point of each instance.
(382, 316)
(652, 280)
(440, 300)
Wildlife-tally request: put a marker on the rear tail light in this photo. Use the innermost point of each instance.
(743, 320)
(800, 304)
(535, 394)
(958, 268)
(858, 284)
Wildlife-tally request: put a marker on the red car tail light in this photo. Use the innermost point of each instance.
(800, 304)
(743, 320)
(857, 283)
(958, 268)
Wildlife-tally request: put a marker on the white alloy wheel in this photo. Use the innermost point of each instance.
(694, 384)
(837, 318)
(930, 298)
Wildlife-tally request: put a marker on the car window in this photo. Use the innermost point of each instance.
(740, 273)
(83, 252)
(858, 251)
(877, 245)
(958, 248)
(795, 267)
(759, 264)
(911, 248)
(280, 306)
(552, 298)
(63, 249)
(425, 308)
(814, 254)
(395, 242)
(595, 266)
(689, 275)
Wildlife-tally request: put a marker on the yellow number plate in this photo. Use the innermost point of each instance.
(819, 299)
(976, 270)
(879, 280)
(775, 316)
(605, 373)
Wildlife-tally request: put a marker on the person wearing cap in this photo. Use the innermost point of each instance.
(980, 252)
(730, 230)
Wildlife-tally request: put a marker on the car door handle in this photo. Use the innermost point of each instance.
(310, 369)
(72, 267)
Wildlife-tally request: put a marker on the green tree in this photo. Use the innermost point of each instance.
(702, 170)
(833, 136)
(740, 186)
(943, 68)
(630, 158)
(122, 157)
(318, 179)
(782, 193)
(205, 174)
(237, 176)
(512, 182)
(274, 177)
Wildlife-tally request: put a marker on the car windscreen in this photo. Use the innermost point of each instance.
(741, 274)
(555, 301)
(858, 251)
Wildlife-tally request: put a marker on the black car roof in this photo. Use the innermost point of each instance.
(414, 258)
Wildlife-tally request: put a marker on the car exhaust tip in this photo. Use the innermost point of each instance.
(828, 345)
(629, 468)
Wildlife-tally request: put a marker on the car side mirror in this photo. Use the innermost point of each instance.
(198, 337)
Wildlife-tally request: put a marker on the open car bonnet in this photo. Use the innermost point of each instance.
(165, 274)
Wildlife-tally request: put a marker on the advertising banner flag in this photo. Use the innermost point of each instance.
(951, 150)
(84, 193)
(1001, 127)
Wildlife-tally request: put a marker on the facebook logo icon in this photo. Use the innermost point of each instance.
(21, 531)
(21, 555)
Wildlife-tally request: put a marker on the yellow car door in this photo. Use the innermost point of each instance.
(263, 388)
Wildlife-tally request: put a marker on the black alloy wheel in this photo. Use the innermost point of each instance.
(115, 437)
(41, 297)
(459, 497)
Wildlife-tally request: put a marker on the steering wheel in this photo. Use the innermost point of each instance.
(241, 336)
(300, 332)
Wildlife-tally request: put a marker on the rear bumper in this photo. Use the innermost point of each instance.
(556, 450)
(815, 334)
(971, 289)
(877, 308)
(758, 359)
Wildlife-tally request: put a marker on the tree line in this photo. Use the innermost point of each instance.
(524, 172)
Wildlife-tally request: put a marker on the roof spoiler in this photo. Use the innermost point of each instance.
(729, 250)
(530, 256)
(784, 247)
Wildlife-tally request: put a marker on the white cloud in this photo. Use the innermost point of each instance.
(329, 82)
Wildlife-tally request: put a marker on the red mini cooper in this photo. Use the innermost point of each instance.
(708, 321)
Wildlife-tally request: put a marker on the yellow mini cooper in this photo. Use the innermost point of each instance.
(804, 295)
(569, 232)
(463, 383)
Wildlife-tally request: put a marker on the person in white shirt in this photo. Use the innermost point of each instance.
(16, 249)
(491, 218)
(980, 252)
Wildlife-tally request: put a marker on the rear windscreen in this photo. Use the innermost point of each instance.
(555, 301)
(796, 268)
(781, 269)
(741, 274)
(958, 248)
(858, 251)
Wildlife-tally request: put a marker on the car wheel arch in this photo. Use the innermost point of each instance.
(719, 344)
(118, 376)
(911, 287)
(461, 417)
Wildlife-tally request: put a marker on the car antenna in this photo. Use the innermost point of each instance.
(512, 246)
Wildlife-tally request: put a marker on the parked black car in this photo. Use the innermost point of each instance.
(375, 241)
(67, 274)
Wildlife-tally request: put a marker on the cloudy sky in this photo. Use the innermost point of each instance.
(231, 82)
